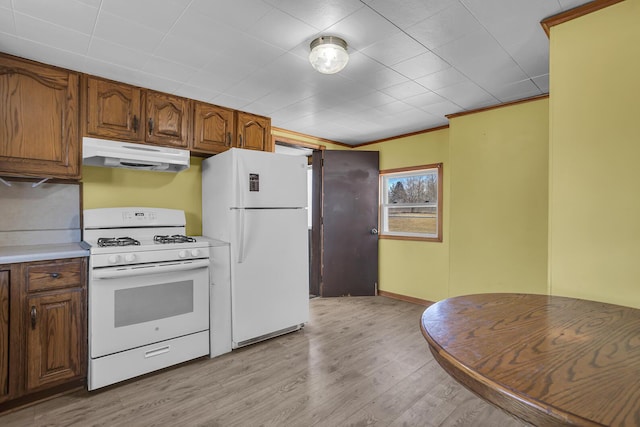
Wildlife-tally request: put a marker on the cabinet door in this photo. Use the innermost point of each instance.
(254, 132)
(167, 120)
(55, 337)
(213, 128)
(39, 117)
(113, 110)
(4, 335)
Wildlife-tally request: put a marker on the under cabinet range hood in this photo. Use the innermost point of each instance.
(114, 154)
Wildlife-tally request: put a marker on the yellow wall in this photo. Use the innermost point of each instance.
(499, 193)
(594, 247)
(109, 187)
(413, 268)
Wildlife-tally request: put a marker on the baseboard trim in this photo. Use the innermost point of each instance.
(405, 298)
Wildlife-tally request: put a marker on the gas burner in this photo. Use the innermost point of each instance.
(117, 241)
(176, 238)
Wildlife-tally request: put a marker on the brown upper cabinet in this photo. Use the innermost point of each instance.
(167, 120)
(39, 116)
(120, 111)
(112, 110)
(253, 132)
(213, 128)
(217, 129)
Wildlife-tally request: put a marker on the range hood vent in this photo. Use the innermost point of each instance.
(114, 154)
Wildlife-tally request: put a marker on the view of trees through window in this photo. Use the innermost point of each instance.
(410, 203)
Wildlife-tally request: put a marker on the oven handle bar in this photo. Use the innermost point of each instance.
(117, 272)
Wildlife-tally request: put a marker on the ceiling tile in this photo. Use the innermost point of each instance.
(128, 33)
(514, 91)
(147, 12)
(6, 4)
(70, 14)
(396, 48)
(197, 92)
(50, 34)
(424, 99)
(363, 28)
(318, 14)
(481, 58)
(230, 101)
(407, 12)
(281, 30)
(394, 107)
(112, 53)
(405, 90)
(240, 15)
(178, 49)
(441, 109)
(421, 65)
(168, 69)
(467, 95)
(7, 24)
(39, 52)
(444, 27)
(442, 78)
(542, 82)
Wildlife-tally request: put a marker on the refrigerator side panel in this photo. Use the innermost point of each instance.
(220, 314)
(270, 288)
(217, 195)
(270, 180)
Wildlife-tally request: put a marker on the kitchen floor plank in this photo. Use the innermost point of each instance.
(359, 361)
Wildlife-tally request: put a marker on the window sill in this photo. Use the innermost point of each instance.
(414, 238)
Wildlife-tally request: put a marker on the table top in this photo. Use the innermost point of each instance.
(547, 359)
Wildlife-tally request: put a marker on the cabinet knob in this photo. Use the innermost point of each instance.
(240, 139)
(34, 316)
(135, 123)
(228, 139)
(55, 275)
(150, 126)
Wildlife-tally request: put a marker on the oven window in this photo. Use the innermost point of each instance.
(148, 303)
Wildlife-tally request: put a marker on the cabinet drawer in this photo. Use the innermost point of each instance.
(54, 275)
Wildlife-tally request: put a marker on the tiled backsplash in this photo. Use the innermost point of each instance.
(41, 214)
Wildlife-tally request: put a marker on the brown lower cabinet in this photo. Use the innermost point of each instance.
(43, 335)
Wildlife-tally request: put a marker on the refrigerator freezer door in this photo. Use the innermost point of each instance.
(270, 284)
(269, 180)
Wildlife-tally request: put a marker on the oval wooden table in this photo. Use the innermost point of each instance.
(548, 360)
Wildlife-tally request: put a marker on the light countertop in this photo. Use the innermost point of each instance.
(27, 253)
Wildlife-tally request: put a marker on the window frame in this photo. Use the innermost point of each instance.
(408, 171)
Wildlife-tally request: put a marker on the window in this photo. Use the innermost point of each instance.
(411, 200)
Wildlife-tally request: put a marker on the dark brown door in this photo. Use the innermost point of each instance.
(345, 223)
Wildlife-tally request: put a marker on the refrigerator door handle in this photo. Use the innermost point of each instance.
(241, 231)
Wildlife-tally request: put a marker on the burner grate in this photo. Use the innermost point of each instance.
(176, 238)
(117, 241)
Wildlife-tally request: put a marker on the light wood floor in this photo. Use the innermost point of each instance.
(360, 361)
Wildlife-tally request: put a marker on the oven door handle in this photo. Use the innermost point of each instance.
(117, 272)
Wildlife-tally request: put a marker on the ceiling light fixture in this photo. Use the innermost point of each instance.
(328, 54)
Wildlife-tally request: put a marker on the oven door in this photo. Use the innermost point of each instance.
(132, 310)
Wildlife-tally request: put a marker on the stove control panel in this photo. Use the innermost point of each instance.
(147, 256)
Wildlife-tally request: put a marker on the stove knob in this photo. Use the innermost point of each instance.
(114, 259)
(182, 254)
(195, 252)
(129, 257)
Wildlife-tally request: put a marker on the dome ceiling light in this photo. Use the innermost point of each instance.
(328, 54)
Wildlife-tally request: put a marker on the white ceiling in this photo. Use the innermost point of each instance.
(412, 61)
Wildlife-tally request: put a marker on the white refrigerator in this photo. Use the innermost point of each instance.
(257, 201)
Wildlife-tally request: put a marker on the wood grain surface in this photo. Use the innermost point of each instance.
(360, 361)
(547, 359)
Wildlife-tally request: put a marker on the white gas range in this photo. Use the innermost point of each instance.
(148, 292)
